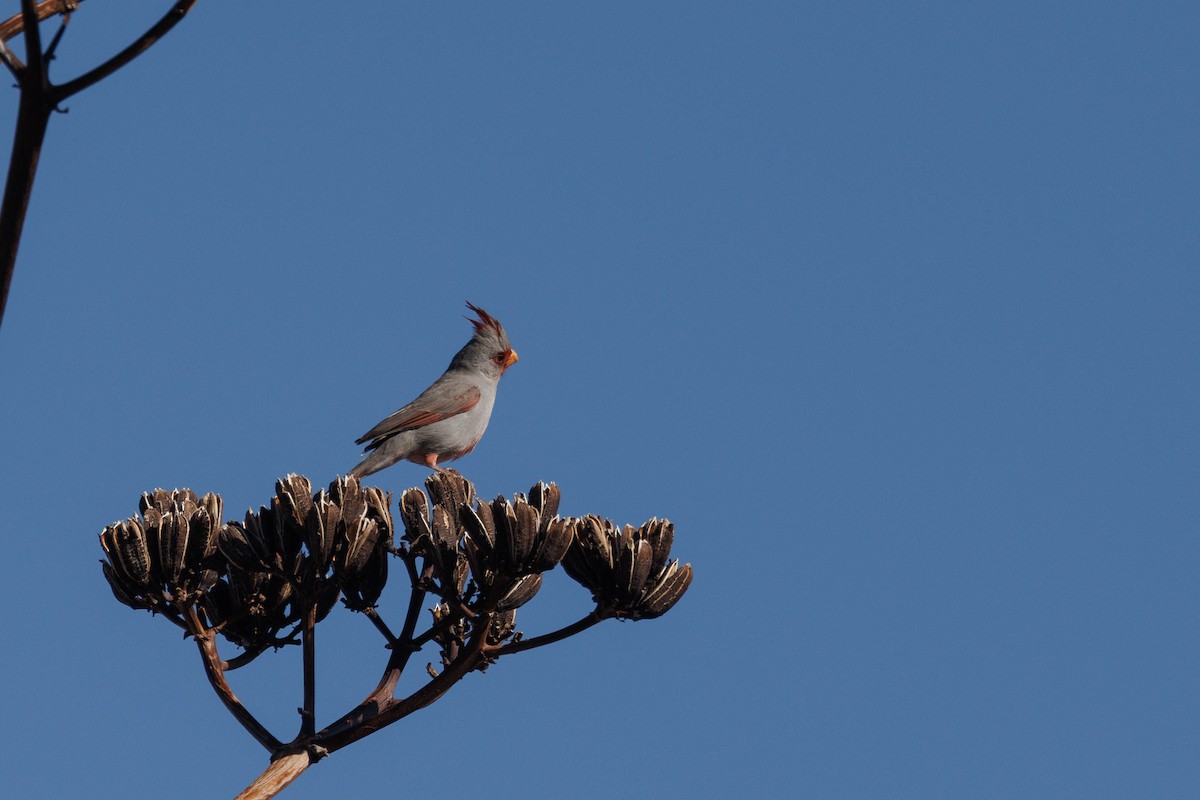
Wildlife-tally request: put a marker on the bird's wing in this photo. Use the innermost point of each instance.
(435, 403)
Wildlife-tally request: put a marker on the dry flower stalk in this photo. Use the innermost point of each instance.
(266, 581)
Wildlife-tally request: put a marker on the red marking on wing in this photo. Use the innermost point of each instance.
(415, 417)
(418, 419)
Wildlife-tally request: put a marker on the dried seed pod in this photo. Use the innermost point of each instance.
(205, 580)
(163, 501)
(478, 560)
(169, 556)
(125, 545)
(414, 513)
(589, 559)
(361, 567)
(347, 494)
(434, 533)
(553, 543)
(633, 569)
(450, 490)
(263, 531)
(293, 512)
(481, 527)
(504, 519)
(128, 568)
(506, 540)
(256, 577)
(235, 544)
(522, 523)
(479, 542)
(218, 607)
(666, 591)
(521, 592)
(661, 535)
(444, 528)
(321, 528)
(362, 538)
(544, 497)
(172, 535)
(205, 526)
(627, 570)
(501, 628)
(294, 496)
(125, 592)
(251, 609)
(379, 508)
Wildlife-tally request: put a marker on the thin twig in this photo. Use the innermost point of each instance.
(353, 727)
(237, 662)
(11, 61)
(404, 646)
(58, 34)
(36, 68)
(402, 651)
(308, 714)
(381, 708)
(14, 25)
(381, 626)
(38, 99)
(549, 638)
(416, 600)
(33, 115)
(171, 616)
(206, 642)
(139, 46)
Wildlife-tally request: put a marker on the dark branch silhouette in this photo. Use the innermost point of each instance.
(261, 582)
(39, 98)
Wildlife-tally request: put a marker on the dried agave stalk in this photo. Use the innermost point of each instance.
(267, 580)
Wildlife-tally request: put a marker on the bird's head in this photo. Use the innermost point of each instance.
(489, 350)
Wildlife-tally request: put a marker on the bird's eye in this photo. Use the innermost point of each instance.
(499, 358)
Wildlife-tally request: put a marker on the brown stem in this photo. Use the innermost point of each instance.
(206, 642)
(308, 714)
(14, 25)
(38, 99)
(416, 600)
(245, 658)
(548, 638)
(276, 777)
(381, 708)
(381, 626)
(58, 34)
(143, 43)
(401, 652)
(350, 729)
(33, 115)
(10, 60)
(33, 39)
(403, 647)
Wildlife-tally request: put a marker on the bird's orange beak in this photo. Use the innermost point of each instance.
(510, 358)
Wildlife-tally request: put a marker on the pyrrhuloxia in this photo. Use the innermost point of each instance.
(449, 418)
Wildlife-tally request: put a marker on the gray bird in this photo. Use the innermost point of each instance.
(448, 419)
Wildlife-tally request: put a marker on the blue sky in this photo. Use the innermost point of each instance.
(891, 307)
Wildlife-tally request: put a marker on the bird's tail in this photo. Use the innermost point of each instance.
(374, 462)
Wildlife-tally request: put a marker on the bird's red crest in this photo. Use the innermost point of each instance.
(485, 322)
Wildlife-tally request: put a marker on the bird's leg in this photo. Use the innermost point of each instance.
(431, 462)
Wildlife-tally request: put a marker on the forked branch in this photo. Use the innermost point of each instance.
(140, 45)
(282, 568)
(38, 99)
